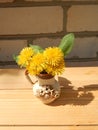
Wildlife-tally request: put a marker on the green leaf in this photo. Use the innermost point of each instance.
(36, 48)
(15, 58)
(67, 43)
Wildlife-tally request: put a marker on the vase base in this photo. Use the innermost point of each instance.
(46, 93)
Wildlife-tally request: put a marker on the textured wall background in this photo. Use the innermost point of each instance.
(45, 22)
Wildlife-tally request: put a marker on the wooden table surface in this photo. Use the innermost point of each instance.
(76, 109)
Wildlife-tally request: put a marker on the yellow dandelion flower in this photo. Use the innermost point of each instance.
(56, 70)
(36, 65)
(53, 56)
(25, 56)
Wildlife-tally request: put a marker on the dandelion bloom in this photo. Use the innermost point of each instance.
(36, 65)
(53, 56)
(56, 70)
(25, 56)
(54, 60)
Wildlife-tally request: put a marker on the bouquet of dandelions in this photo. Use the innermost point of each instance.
(45, 64)
(50, 60)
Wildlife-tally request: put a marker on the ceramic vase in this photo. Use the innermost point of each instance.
(47, 88)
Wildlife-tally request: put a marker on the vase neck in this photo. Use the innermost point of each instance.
(50, 81)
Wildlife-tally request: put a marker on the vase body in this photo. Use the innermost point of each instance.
(47, 89)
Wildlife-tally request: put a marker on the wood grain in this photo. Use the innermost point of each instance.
(50, 127)
(76, 109)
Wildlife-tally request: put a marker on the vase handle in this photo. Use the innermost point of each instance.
(28, 77)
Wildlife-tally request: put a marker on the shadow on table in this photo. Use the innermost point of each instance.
(80, 96)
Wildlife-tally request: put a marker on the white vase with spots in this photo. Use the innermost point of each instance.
(47, 88)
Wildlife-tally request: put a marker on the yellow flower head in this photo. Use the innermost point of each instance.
(25, 56)
(53, 56)
(36, 64)
(56, 70)
(54, 60)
